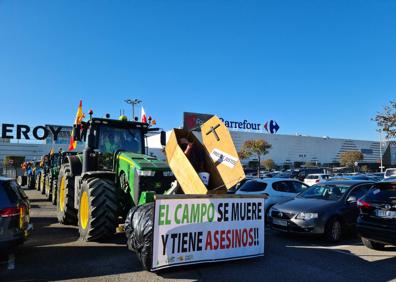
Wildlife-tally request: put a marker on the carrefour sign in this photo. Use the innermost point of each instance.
(192, 121)
(270, 126)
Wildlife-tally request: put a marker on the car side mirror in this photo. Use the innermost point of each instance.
(163, 138)
(351, 199)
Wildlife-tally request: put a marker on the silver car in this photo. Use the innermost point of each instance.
(277, 190)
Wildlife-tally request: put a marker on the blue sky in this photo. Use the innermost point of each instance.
(316, 67)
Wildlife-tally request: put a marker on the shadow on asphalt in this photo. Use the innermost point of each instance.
(65, 262)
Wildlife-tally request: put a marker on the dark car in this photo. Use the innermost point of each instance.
(14, 214)
(327, 208)
(376, 224)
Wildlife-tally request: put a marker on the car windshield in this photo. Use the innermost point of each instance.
(383, 192)
(253, 186)
(113, 139)
(390, 172)
(330, 192)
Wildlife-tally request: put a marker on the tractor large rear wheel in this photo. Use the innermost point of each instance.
(37, 182)
(48, 184)
(54, 190)
(42, 183)
(65, 210)
(98, 209)
(139, 232)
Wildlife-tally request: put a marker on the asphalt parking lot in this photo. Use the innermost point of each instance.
(54, 252)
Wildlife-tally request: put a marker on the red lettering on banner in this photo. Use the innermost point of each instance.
(230, 239)
(208, 244)
(216, 240)
(251, 239)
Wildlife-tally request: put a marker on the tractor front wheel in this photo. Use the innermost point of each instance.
(66, 212)
(98, 209)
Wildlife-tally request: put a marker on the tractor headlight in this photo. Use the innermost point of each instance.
(306, 215)
(168, 173)
(145, 172)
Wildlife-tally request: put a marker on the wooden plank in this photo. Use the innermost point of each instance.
(221, 149)
(184, 172)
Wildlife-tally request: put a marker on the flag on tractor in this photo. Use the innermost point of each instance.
(77, 121)
(143, 117)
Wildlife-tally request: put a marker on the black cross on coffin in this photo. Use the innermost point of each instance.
(213, 130)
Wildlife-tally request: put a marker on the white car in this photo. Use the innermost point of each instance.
(277, 190)
(390, 172)
(316, 178)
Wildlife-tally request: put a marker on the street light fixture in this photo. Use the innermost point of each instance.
(133, 103)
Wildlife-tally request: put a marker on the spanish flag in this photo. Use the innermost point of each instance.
(77, 121)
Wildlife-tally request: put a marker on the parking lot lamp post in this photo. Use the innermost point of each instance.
(382, 166)
(133, 103)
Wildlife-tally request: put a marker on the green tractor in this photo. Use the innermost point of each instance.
(51, 176)
(51, 181)
(98, 187)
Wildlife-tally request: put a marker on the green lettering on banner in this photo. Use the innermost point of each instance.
(194, 213)
(178, 207)
(185, 214)
(211, 212)
(203, 212)
(161, 215)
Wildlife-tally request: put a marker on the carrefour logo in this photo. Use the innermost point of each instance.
(270, 126)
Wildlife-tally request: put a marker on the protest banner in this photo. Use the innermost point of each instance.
(191, 229)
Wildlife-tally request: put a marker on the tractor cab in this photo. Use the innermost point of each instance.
(106, 137)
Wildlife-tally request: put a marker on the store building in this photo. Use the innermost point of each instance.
(289, 150)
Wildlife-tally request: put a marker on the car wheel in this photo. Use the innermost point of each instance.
(267, 215)
(333, 230)
(372, 245)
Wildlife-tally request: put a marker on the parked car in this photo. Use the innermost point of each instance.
(376, 224)
(15, 224)
(232, 190)
(390, 172)
(276, 189)
(327, 208)
(304, 172)
(312, 179)
(354, 177)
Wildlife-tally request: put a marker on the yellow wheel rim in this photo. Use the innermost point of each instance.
(62, 195)
(84, 210)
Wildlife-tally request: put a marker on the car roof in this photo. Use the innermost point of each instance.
(347, 182)
(318, 174)
(5, 178)
(389, 180)
(274, 179)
